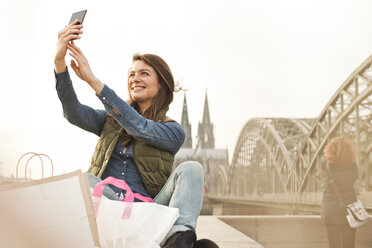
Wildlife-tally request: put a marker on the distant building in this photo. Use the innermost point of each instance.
(205, 129)
(204, 152)
(186, 125)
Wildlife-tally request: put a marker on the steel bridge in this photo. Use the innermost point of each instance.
(277, 161)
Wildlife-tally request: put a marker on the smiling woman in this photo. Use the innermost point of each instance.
(150, 91)
(143, 84)
(137, 141)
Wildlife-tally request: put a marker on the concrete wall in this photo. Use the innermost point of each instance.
(306, 231)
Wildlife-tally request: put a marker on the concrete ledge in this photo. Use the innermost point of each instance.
(224, 235)
(306, 231)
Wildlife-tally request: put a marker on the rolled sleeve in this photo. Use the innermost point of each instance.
(62, 75)
(64, 86)
(107, 95)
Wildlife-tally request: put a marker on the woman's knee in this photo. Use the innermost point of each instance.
(192, 168)
(93, 180)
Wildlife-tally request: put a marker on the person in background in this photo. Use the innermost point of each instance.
(137, 141)
(342, 171)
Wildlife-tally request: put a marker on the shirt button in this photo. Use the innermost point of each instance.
(120, 152)
(122, 173)
(117, 194)
(103, 98)
(125, 162)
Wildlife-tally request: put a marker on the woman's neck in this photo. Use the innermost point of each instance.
(143, 106)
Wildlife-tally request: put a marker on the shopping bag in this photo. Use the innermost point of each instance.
(130, 224)
(357, 214)
(34, 155)
(52, 212)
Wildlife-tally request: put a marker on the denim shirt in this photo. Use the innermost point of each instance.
(167, 136)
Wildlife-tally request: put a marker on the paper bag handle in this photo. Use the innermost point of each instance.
(41, 160)
(121, 184)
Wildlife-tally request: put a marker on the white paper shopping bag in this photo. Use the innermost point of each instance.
(131, 224)
(52, 212)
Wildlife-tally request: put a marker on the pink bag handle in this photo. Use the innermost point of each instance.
(121, 184)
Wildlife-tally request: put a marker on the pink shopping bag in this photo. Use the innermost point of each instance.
(130, 224)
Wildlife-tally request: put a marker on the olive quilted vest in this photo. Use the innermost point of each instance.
(154, 164)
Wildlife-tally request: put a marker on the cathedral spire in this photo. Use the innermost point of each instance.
(206, 117)
(205, 129)
(186, 125)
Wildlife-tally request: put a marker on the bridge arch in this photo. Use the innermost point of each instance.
(265, 149)
(348, 113)
(279, 155)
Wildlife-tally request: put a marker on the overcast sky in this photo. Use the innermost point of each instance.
(254, 58)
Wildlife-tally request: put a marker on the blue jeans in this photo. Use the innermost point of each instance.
(183, 190)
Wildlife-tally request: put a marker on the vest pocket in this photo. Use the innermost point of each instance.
(153, 182)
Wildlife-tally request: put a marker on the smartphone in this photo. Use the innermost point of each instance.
(78, 15)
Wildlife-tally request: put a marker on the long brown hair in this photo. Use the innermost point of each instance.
(340, 150)
(164, 96)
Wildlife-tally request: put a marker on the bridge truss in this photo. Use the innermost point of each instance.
(278, 159)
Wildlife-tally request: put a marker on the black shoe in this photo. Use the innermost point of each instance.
(205, 243)
(181, 240)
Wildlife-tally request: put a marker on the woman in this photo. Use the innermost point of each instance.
(137, 141)
(340, 173)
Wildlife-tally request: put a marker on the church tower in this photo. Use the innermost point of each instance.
(205, 129)
(186, 125)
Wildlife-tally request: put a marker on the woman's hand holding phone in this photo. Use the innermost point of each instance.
(70, 32)
(80, 63)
